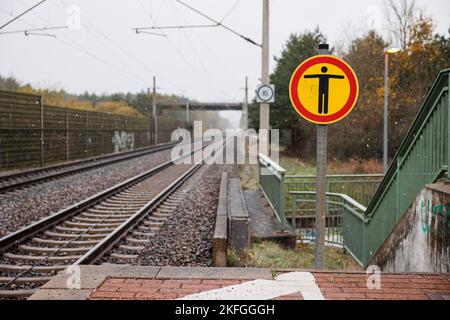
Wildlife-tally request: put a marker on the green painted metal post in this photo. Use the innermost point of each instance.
(42, 138)
(281, 199)
(448, 126)
(294, 211)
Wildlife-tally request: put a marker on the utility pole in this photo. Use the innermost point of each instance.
(321, 182)
(264, 111)
(154, 110)
(387, 51)
(187, 114)
(245, 106)
(150, 120)
(385, 114)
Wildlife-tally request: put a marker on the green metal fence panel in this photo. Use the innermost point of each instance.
(360, 187)
(343, 221)
(271, 183)
(353, 232)
(422, 158)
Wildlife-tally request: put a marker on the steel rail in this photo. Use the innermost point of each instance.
(39, 176)
(46, 223)
(98, 251)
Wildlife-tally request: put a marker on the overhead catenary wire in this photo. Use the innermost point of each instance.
(34, 30)
(177, 27)
(178, 13)
(227, 68)
(230, 11)
(186, 61)
(21, 14)
(152, 33)
(98, 33)
(76, 46)
(127, 72)
(219, 23)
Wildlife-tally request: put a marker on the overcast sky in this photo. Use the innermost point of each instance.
(209, 64)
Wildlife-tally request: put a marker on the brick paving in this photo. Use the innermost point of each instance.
(334, 286)
(105, 282)
(342, 286)
(145, 289)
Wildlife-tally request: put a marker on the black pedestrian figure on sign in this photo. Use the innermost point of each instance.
(324, 80)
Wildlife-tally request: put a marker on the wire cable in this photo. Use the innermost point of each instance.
(219, 23)
(23, 13)
(31, 31)
(230, 11)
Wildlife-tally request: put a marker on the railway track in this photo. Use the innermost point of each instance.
(32, 177)
(131, 211)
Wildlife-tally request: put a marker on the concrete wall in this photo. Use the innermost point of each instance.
(421, 240)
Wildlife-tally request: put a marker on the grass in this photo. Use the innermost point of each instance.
(268, 254)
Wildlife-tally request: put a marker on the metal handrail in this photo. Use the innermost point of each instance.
(344, 196)
(337, 221)
(274, 194)
(351, 175)
(409, 139)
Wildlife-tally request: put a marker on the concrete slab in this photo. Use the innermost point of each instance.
(213, 273)
(264, 225)
(92, 276)
(238, 218)
(60, 294)
(440, 186)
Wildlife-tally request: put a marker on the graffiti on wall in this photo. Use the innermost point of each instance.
(434, 214)
(123, 141)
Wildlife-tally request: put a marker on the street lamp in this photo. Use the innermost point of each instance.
(387, 51)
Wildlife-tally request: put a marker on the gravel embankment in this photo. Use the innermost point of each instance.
(186, 237)
(29, 205)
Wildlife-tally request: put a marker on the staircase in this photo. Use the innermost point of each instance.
(422, 158)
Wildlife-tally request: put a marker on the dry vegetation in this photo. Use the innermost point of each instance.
(268, 254)
(295, 166)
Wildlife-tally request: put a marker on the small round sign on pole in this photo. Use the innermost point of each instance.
(265, 93)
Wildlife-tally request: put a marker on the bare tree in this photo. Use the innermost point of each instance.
(401, 16)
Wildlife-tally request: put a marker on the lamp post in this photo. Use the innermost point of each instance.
(387, 51)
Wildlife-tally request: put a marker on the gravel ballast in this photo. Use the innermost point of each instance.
(186, 237)
(23, 207)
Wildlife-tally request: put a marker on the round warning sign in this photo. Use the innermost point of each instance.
(323, 89)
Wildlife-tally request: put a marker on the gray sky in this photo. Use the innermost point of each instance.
(105, 55)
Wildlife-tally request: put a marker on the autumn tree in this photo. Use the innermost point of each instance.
(412, 72)
(282, 116)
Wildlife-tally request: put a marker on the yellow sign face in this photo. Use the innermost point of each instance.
(323, 89)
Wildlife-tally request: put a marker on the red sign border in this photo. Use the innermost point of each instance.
(326, 119)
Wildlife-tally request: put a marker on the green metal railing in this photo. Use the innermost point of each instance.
(422, 158)
(340, 209)
(271, 183)
(360, 187)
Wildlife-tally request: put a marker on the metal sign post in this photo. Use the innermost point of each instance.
(323, 90)
(320, 193)
(321, 182)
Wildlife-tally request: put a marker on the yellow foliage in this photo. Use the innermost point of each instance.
(81, 105)
(57, 99)
(117, 107)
